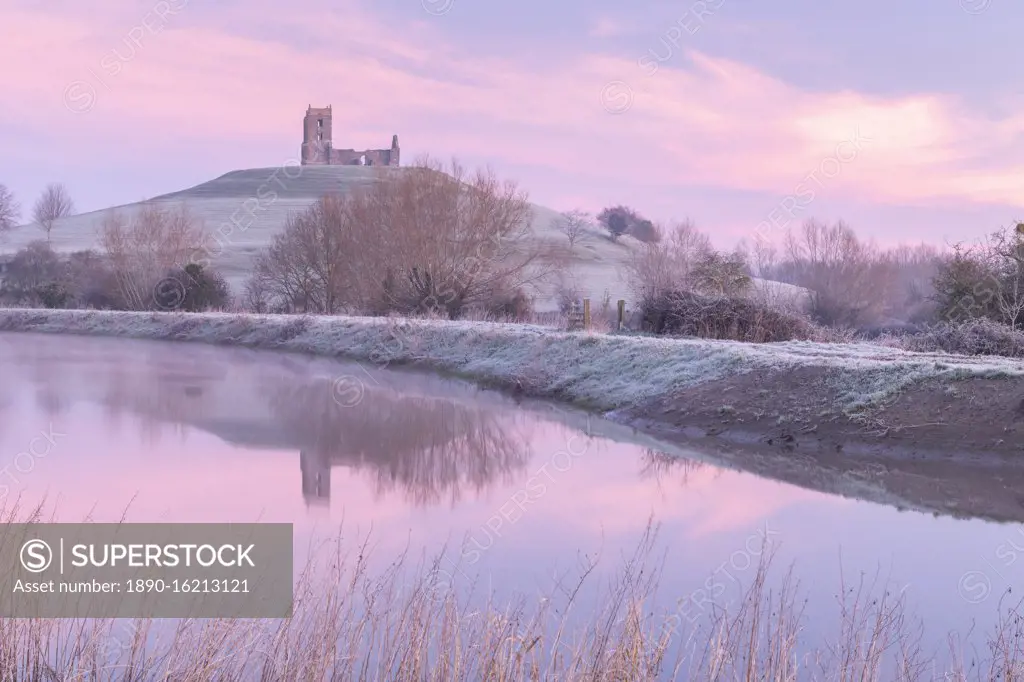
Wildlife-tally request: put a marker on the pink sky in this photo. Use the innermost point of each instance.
(137, 98)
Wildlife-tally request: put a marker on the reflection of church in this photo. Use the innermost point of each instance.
(316, 477)
(424, 446)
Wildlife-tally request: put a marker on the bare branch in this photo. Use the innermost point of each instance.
(574, 225)
(10, 211)
(144, 248)
(428, 239)
(54, 203)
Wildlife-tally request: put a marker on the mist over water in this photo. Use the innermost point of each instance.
(521, 498)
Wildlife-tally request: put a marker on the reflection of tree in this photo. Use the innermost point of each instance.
(657, 464)
(433, 448)
(154, 395)
(6, 402)
(51, 401)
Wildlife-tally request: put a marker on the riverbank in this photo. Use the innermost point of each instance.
(857, 410)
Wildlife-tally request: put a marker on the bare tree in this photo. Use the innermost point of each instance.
(144, 248)
(847, 278)
(1006, 251)
(722, 274)
(573, 224)
(54, 203)
(302, 270)
(10, 211)
(427, 241)
(667, 264)
(912, 269)
(447, 239)
(255, 295)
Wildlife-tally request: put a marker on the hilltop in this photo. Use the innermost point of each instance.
(243, 210)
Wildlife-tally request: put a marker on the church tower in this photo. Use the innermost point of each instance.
(317, 137)
(393, 156)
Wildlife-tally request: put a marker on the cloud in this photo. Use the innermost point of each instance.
(232, 75)
(606, 27)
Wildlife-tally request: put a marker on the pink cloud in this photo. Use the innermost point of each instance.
(714, 123)
(606, 27)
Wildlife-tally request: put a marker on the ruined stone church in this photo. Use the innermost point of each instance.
(318, 145)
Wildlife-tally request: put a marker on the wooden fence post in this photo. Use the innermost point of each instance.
(586, 314)
(622, 314)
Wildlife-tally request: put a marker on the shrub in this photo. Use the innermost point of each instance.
(974, 337)
(620, 220)
(983, 281)
(722, 274)
(37, 276)
(735, 318)
(645, 231)
(514, 307)
(567, 294)
(33, 272)
(54, 295)
(192, 289)
(93, 282)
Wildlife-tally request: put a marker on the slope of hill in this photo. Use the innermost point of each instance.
(244, 209)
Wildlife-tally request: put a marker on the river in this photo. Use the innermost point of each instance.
(522, 496)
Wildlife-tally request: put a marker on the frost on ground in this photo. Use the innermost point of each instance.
(598, 371)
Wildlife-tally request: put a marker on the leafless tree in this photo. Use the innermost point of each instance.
(256, 296)
(1006, 249)
(912, 270)
(667, 264)
(763, 259)
(54, 203)
(574, 225)
(424, 238)
(303, 267)
(846, 277)
(142, 249)
(10, 211)
(722, 274)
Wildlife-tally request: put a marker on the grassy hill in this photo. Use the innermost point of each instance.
(246, 208)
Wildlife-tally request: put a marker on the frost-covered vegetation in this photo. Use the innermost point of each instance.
(411, 621)
(598, 371)
(432, 240)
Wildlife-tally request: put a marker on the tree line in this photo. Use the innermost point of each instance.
(438, 240)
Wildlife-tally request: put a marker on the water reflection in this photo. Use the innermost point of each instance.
(247, 436)
(659, 465)
(434, 449)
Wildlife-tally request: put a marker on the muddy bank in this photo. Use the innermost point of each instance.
(951, 447)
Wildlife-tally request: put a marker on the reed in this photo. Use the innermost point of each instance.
(404, 621)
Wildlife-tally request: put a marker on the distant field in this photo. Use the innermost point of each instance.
(244, 209)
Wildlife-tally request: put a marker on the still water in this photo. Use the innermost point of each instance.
(157, 432)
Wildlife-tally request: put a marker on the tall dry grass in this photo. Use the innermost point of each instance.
(410, 621)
